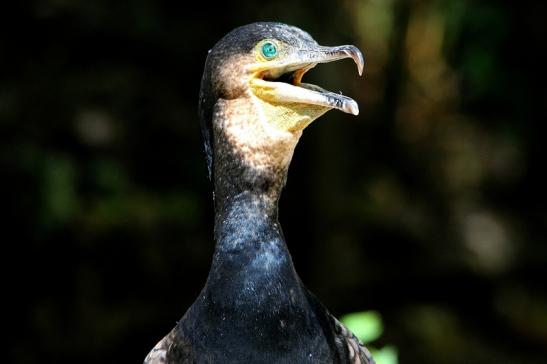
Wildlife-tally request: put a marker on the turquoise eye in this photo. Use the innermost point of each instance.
(269, 50)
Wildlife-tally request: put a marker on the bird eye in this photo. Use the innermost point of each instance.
(269, 50)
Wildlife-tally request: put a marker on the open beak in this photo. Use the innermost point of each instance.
(279, 81)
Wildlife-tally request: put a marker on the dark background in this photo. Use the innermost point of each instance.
(428, 207)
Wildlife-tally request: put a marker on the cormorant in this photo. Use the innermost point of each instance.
(253, 109)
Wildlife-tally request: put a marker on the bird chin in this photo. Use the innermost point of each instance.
(289, 116)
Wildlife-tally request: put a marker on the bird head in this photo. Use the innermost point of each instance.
(253, 103)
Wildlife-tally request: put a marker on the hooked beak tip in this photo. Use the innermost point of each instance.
(357, 57)
(352, 108)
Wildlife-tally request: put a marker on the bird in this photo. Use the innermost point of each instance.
(253, 108)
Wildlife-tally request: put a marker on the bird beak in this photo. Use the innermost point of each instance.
(279, 83)
(329, 54)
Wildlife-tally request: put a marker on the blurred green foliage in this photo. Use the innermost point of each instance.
(368, 327)
(428, 208)
(385, 355)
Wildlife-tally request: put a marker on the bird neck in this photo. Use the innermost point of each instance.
(249, 172)
(253, 297)
(250, 159)
(247, 229)
(251, 258)
(246, 208)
